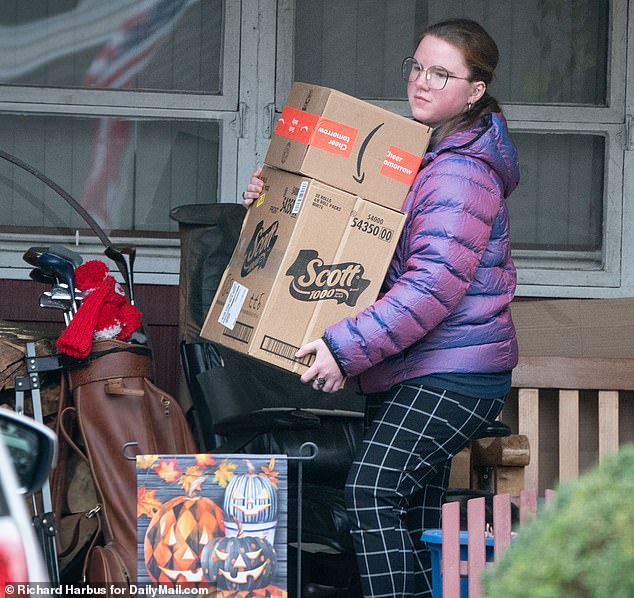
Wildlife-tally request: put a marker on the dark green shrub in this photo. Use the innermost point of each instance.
(582, 546)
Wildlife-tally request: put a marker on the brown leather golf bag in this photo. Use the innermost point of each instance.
(110, 413)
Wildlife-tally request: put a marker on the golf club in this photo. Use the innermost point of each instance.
(30, 255)
(47, 302)
(60, 292)
(62, 269)
(69, 254)
(38, 276)
(123, 256)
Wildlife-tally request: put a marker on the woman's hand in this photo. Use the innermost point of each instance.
(324, 374)
(254, 188)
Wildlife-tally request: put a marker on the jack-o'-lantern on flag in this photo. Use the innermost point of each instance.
(239, 563)
(251, 503)
(176, 536)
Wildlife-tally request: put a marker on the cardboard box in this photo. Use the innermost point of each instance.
(601, 328)
(308, 255)
(349, 144)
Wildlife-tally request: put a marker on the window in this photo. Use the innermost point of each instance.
(161, 45)
(128, 173)
(128, 105)
(574, 221)
(561, 81)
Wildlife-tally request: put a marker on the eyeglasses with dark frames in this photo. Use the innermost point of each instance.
(436, 76)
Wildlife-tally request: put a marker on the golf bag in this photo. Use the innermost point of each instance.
(109, 413)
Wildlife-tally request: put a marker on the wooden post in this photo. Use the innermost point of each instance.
(476, 549)
(608, 423)
(528, 505)
(501, 524)
(450, 562)
(528, 407)
(568, 434)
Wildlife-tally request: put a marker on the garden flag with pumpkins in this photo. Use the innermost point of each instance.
(213, 521)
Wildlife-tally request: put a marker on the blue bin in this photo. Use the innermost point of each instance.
(433, 538)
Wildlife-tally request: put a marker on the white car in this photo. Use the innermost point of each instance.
(28, 450)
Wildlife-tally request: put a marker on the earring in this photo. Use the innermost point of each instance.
(469, 106)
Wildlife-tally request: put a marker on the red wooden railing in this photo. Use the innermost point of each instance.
(452, 566)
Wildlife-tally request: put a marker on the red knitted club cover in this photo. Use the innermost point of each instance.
(76, 340)
(130, 321)
(90, 274)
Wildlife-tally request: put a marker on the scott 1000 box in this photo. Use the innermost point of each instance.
(308, 255)
(348, 143)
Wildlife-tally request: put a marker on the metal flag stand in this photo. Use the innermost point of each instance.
(44, 522)
(301, 458)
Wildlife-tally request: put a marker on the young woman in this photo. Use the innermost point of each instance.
(439, 344)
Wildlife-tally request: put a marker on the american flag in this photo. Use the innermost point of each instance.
(126, 53)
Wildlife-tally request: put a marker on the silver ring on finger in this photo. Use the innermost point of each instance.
(321, 382)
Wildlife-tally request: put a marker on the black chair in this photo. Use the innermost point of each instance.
(237, 404)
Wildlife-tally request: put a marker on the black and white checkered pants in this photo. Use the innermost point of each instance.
(397, 484)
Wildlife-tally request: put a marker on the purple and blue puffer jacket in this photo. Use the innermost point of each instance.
(445, 299)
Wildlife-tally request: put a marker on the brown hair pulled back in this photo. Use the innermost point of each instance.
(481, 57)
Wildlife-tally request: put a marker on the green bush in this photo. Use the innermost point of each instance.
(581, 546)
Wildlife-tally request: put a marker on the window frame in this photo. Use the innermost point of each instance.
(255, 86)
(544, 273)
(579, 269)
(158, 258)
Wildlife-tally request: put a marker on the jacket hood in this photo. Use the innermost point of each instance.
(489, 141)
